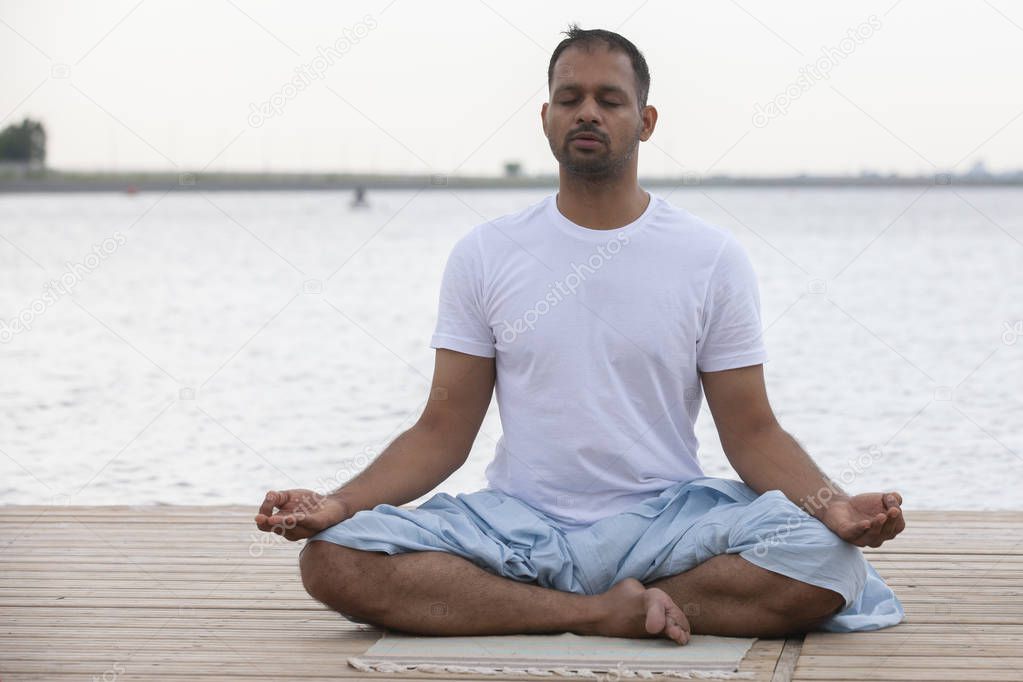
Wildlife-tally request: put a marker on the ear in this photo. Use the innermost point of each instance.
(543, 117)
(649, 116)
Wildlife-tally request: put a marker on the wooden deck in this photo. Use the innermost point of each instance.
(174, 593)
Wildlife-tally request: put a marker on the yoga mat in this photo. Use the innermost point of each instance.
(566, 655)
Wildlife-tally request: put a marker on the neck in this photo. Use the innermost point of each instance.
(602, 204)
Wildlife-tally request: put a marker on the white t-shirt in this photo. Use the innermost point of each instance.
(598, 335)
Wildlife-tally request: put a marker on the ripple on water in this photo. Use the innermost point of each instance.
(306, 389)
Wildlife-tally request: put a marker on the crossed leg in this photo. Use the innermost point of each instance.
(729, 596)
(440, 593)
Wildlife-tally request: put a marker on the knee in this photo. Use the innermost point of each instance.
(805, 606)
(807, 542)
(322, 564)
(331, 574)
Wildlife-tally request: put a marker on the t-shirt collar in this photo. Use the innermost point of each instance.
(597, 235)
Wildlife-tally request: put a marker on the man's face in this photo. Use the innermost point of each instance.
(593, 92)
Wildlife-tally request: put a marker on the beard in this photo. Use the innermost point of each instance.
(601, 163)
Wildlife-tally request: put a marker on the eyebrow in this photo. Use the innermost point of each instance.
(603, 88)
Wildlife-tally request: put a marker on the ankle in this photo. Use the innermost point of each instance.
(593, 612)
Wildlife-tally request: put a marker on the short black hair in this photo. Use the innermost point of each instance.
(613, 41)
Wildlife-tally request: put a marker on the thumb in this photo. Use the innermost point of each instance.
(892, 499)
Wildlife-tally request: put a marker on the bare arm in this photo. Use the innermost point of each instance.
(438, 444)
(412, 465)
(767, 457)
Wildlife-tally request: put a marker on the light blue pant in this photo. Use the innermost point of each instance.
(663, 535)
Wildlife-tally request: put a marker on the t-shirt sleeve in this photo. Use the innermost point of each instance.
(461, 321)
(732, 331)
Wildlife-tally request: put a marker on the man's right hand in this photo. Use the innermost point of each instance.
(298, 514)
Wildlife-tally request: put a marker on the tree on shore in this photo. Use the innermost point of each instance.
(25, 141)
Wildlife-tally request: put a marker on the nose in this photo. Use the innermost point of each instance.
(588, 112)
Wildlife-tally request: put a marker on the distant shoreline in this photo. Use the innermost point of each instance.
(60, 182)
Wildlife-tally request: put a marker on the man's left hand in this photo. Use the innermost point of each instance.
(865, 520)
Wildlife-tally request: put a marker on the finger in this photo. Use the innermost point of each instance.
(286, 530)
(868, 526)
(877, 529)
(267, 507)
(286, 520)
(274, 498)
(872, 538)
(854, 531)
(892, 499)
(888, 529)
(263, 522)
(860, 539)
(266, 519)
(900, 524)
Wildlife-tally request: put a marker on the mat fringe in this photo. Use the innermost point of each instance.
(366, 665)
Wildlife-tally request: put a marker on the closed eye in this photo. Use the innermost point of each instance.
(573, 101)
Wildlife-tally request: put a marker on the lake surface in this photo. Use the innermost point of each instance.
(202, 349)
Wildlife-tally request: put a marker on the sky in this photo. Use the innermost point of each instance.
(750, 87)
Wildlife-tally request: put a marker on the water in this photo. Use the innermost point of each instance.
(227, 344)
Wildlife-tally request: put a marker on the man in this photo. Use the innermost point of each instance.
(597, 312)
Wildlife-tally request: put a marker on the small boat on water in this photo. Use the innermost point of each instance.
(359, 200)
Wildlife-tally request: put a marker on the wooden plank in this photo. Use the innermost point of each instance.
(803, 674)
(889, 662)
(786, 664)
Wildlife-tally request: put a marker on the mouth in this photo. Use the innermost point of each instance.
(586, 141)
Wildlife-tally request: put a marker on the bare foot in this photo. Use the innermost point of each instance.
(633, 610)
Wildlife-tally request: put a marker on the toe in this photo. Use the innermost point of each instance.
(678, 633)
(681, 623)
(656, 618)
(664, 617)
